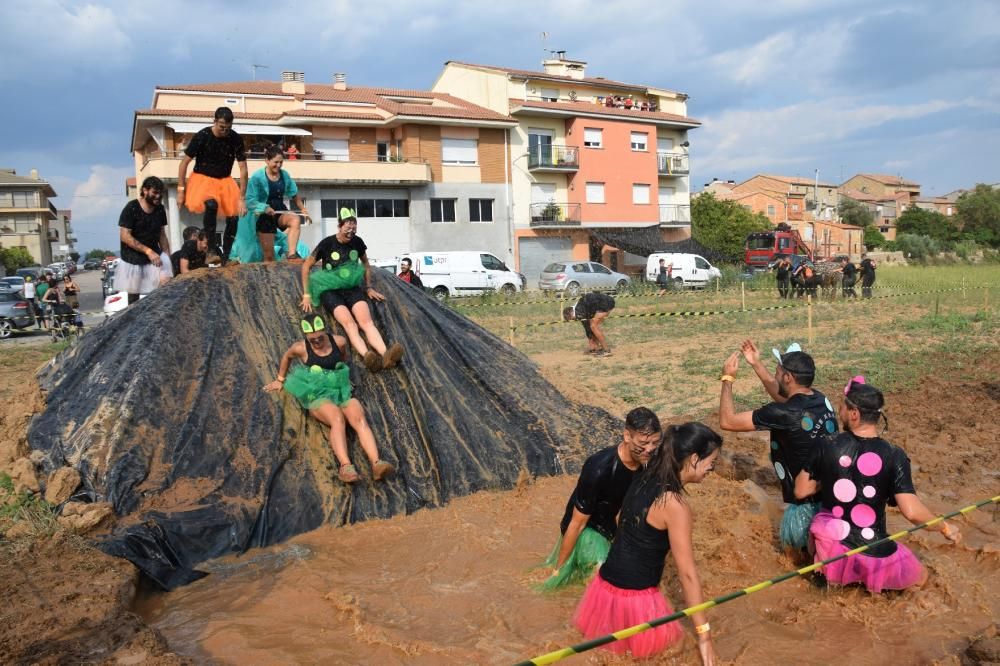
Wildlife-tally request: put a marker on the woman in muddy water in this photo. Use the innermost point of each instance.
(655, 519)
(857, 473)
(322, 384)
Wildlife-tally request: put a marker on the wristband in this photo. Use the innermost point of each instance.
(703, 629)
(727, 378)
(281, 379)
(180, 188)
(307, 296)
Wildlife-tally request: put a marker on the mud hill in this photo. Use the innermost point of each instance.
(162, 412)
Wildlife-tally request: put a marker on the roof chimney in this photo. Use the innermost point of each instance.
(563, 66)
(340, 81)
(34, 174)
(293, 83)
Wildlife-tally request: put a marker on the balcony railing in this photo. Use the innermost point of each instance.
(554, 214)
(672, 164)
(675, 215)
(553, 158)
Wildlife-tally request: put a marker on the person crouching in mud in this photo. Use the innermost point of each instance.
(322, 384)
(343, 287)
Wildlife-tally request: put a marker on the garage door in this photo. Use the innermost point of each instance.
(537, 253)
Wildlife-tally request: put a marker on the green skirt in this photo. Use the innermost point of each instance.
(345, 276)
(795, 523)
(314, 386)
(588, 554)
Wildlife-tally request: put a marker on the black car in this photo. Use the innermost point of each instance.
(91, 265)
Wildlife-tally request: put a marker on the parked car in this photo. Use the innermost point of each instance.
(108, 280)
(70, 266)
(115, 302)
(689, 270)
(58, 270)
(91, 265)
(35, 272)
(13, 283)
(15, 313)
(574, 277)
(463, 273)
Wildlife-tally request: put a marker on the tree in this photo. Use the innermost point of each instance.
(930, 223)
(856, 213)
(723, 226)
(978, 215)
(75, 256)
(873, 238)
(14, 258)
(100, 254)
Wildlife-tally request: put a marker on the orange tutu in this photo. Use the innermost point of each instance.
(200, 188)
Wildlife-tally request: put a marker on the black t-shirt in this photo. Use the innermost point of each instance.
(797, 427)
(850, 271)
(782, 270)
(592, 303)
(599, 491)
(214, 157)
(276, 193)
(190, 252)
(331, 253)
(639, 550)
(868, 269)
(145, 228)
(859, 476)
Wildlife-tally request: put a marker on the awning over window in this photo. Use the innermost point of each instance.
(273, 130)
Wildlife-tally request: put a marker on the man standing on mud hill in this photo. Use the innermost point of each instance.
(145, 250)
(591, 516)
(799, 418)
(591, 311)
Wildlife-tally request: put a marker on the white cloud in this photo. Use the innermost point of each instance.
(102, 195)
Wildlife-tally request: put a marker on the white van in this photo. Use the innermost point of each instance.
(690, 270)
(464, 273)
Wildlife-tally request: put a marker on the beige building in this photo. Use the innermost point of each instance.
(887, 197)
(819, 199)
(596, 165)
(424, 170)
(63, 241)
(26, 214)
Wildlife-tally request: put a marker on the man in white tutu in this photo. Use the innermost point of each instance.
(145, 251)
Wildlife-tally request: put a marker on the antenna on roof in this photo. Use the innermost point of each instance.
(545, 36)
(256, 67)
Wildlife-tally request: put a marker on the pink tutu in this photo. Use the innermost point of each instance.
(896, 572)
(605, 609)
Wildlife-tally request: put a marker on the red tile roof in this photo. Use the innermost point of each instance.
(597, 109)
(795, 180)
(589, 80)
(319, 112)
(890, 180)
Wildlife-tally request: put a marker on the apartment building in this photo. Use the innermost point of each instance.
(887, 197)
(593, 162)
(63, 241)
(26, 213)
(424, 170)
(818, 198)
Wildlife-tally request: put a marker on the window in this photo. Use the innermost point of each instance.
(581, 268)
(401, 207)
(640, 194)
(383, 207)
(770, 210)
(592, 137)
(795, 208)
(701, 263)
(639, 141)
(442, 210)
(595, 192)
(600, 269)
(330, 208)
(366, 208)
(460, 151)
(550, 94)
(382, 151)
(332, 149)
(480, 210)
(492, 263)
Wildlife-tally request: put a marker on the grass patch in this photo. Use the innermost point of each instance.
(25, 508)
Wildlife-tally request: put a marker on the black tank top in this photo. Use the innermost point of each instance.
(328, 362)
(639, 550)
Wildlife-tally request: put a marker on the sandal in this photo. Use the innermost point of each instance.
(348, 473)
(382, 470)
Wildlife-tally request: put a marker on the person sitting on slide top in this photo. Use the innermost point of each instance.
(856, 474)
(655, 519)
(267, 213)
(321, 382)
(799, 418)
(342, 285)
(591, 514)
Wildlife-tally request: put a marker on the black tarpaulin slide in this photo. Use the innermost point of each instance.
(163, 412)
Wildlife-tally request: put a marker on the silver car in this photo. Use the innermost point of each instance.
(574, 277)
(15, 313)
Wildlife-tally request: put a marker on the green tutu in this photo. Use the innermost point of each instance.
(795, 524)
(313, 386)
(345, 276)
(588, 554)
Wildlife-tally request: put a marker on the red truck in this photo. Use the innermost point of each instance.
(762, 246)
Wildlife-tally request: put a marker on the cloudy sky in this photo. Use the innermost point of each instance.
(787, 86)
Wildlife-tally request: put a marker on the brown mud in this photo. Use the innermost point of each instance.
(455, 584)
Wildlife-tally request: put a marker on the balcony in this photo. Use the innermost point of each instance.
(672, 164)
(308, 168)
(675, 215)
(53, 236)
(554, 214)
(553, 158)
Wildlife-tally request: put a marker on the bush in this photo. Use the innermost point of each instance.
(966, 249)
(917, 248)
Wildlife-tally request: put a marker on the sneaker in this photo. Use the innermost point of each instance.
(348, 474)
(382, 470)
(294, 258)
(373, 361)
(603, 352)
(392, 356)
